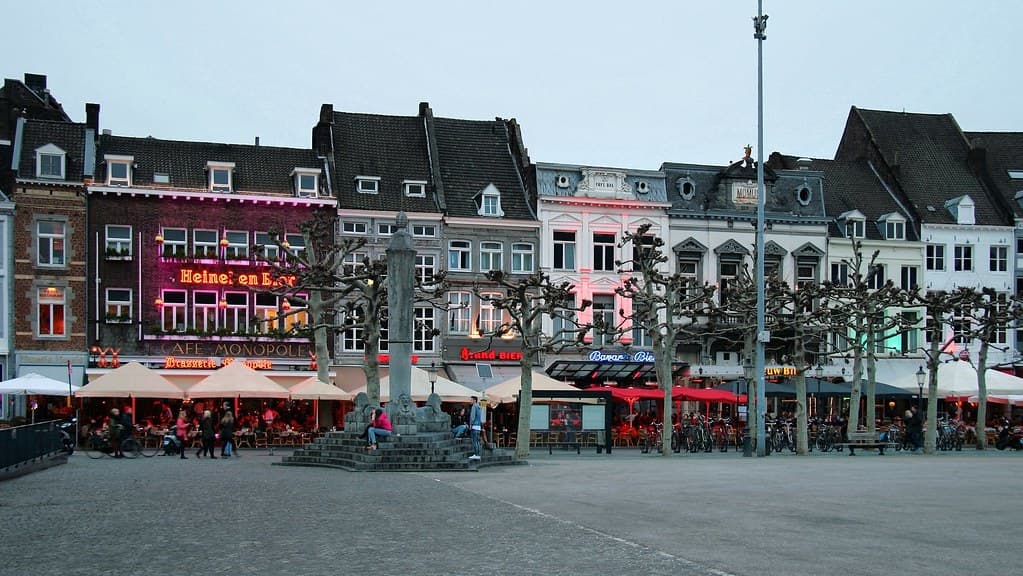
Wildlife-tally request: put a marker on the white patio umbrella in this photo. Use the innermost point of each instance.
(314, 389)
(959, 379)
(448, 390)
(508, 391)
(36, 384)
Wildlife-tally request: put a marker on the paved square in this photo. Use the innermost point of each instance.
(712, 514)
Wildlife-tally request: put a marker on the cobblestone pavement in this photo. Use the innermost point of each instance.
(715, 514)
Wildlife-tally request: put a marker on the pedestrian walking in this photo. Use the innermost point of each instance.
(914, 428)
(227, 435)
(181, 431)
(475, 426)
(208, 435)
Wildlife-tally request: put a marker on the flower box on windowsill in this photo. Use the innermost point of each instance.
(118, 319)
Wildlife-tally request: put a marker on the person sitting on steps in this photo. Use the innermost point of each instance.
(379, 426)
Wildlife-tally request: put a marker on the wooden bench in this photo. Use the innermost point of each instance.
(865, 440)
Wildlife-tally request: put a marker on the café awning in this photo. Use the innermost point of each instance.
(36, 384)
(313, 388)
(508, 391)
(597, 371)
(236, 380)
(130, 380)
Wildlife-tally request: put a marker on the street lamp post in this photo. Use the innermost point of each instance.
(760, 33)
(819, 372)
(747, 449)
(920, 375)
(432, 375)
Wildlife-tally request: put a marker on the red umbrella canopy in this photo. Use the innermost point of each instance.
(632, 394)
(703, 394)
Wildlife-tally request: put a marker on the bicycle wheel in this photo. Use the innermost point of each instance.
(150, 451)
(131, 447)
(94, 446)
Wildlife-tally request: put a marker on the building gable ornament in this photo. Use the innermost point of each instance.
(731, 247)
(689, 245)
(607, 184)
(808, 249)
(772, 248)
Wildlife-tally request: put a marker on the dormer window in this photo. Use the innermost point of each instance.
(962, 209)
(894, 226)
(221, 176)
(119, 170)
(367, 184)
(307, 182)
(50, 162)
(490, 202)
(854, 224)
(415, 188)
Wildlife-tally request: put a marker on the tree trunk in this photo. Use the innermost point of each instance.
(802, 438)
(371, 366)
(317, 313)
(853, 419)
(981, 424)
(931, 433)
(663, 366)
(530, 337)
(871, 393)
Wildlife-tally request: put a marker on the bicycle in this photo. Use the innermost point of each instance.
(653, 438)
(97, 445)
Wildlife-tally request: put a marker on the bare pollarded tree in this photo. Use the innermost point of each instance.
(525, 301)
(667, 307)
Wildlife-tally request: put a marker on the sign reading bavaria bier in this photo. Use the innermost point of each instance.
(232, 278)
(639, 356)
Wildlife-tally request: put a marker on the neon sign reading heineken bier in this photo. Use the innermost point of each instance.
(638, 356)
(232, 278)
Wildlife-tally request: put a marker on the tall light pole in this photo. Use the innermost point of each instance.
(763, 336)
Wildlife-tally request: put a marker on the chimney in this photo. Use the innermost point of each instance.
(803, 163)
(424, 109)
(322, 143)
(977, 156)
(257, 140)
(36, 83)
(327, 113)
(92, 117)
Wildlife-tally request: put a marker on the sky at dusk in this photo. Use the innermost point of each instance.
(622, 84)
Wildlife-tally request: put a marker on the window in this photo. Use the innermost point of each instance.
(910, 338)
(423, 339)
(459, 312)
(237, 245)
(963, 258)
(50, 238)
(352, 336)
(563, 323)
(296, 243)
(999, 258)
(999, 334)
(353, 227)
(876, 277)
(604, 317)
(424, 230)
(426, 267)
(50, 162)
(459, 255)
(522, 258)
(490, 256)
(385, 342)
(204, 243)
(772, 266)
(307, 182)
(604, 252)
(267, 311)
(1019, 246)
(175, 242)
(367, 184)
(854, 228)
(387, 229)
(52, 303)
(118, 241)
(643, 248)
(271, 252)
(806, 277)
(961, 325)
(204, 311)
(172, 314)
(490, 202)
(415, 188)
(490, 316)
(221, 176)
(236, 316)
(564, 250)
(689, 269)
(909, 278)
(118, 305)
(839, 273)
(353, 263)
(935, 257)
(728, 270)
(118, 171)
(641, 337)
(296, 317)
(894, 230)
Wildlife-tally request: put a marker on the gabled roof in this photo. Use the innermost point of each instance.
(260, 169)
(929, 155)
(68, 136)
(393, 148)
(474, 154)
(1004, 152)
(32, 104)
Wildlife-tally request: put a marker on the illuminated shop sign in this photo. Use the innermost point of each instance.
(780, 371)
(386, 358)
(223, 349)
(232, 278)
(608, 357)
(213, 363)
(467, 354)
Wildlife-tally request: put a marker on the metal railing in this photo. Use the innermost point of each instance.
(25, 443)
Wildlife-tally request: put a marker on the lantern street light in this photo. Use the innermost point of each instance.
(819, 372)
(920, 375)
(432, 374)
(762, 336)
(747, 448)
